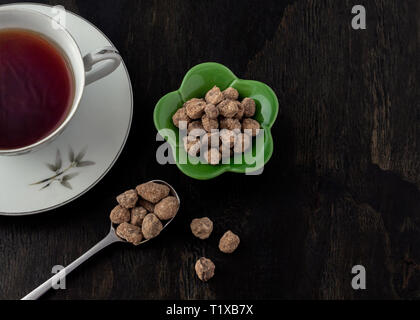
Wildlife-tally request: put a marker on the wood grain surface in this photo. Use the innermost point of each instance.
(342, 188)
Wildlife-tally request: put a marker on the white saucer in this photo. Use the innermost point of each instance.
(100, 128)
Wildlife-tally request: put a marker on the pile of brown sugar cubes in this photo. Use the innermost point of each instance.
(217, 126)
(139, 213)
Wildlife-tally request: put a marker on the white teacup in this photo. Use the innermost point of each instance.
(82, 68)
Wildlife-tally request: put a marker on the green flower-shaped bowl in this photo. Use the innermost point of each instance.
(197, 82)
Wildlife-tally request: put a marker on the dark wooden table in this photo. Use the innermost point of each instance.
(342, 188)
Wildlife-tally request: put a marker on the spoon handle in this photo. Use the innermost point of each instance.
(47, 285)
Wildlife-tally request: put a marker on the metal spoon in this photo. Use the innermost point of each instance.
(108, 240)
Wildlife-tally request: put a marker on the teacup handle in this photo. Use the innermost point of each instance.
(113, 60)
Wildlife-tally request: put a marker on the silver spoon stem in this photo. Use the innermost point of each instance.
(47, 285)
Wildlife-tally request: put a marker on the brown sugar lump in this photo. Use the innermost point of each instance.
(150, 207)
(130, 233)
(242, 143)
(211, 111)
(227, 137)
(193, 100)
(137, 216)
(241, 110)
(214, 96)
(192, 146)
(249, 107)
(251, 127)
(119, 215)
(128, 199)
(195, 108)
(211, 139)
(226, 151)
(204, 268)
(179, 116)
(196, 128)
(229, 242)
(153, 192)
(209, 124)
(228, 108)
(231, 94)
(151, 226)
(202, 228)
(230, 124)
(167, 208)
(212, 156)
